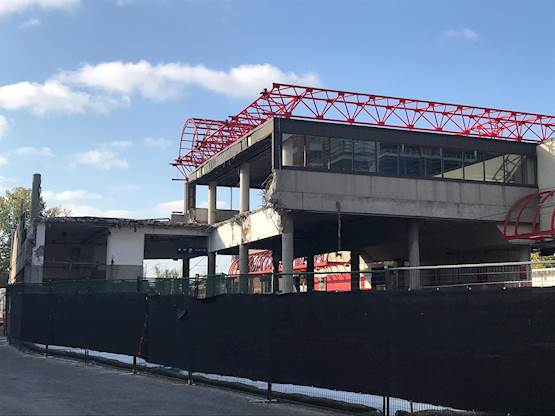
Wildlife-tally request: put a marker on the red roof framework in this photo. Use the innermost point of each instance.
(529, 210)
(201, 139)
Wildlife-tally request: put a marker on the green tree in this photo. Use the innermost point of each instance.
(15, 202)
(166, 273)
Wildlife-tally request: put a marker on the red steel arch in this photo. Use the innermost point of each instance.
(308, 103)
(260, 262)
(531, 204)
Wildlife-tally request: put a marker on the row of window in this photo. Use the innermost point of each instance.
(347, 155)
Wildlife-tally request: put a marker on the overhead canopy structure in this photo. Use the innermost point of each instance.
(201, 138)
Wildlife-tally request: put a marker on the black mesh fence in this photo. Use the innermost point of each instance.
(491, 350)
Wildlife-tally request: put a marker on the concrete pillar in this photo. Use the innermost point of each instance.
(414, 253)
(524, 253)
(287, 254)
(186, 268)
(243, 268)
(35, 197)
(212, 190)
(275, 267)
(211, 264)
(244, 187)
(189, 201)
(310, 273)
(355, 267)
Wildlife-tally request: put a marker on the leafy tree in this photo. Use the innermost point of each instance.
(538, 261)
(12, 204)
(166, 273)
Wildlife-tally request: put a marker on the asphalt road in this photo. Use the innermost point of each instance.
(33, 385)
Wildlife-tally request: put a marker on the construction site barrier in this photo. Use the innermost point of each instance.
(487, 350)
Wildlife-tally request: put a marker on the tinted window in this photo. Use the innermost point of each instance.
(452, 164)
(530, 170)
(410, 161)
(494, 167)
(473, 166)
(292, 152)
(317, 152)
(431, 161)
(388, 158)
(364, 156)
(514, 169)
(341, 154)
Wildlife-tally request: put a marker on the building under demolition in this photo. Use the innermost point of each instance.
(384, 180)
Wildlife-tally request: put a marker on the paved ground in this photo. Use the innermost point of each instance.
(33, 385)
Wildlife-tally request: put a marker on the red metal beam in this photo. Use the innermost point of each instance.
(307, 103)
(260, 262)
(531, 205)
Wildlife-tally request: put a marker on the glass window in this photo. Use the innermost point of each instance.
(364, 156)
(317, 152)
(514, 170)
(341, 154)
(494, 167)
(388, 158)
(410, 161)
(473, 166)
(431, 161)
(529, 170)
(292, 152)
(452, 164)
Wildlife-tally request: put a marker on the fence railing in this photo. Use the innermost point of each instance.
(443, 277)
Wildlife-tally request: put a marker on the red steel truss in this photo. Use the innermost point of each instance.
(528, 210)
(260, 262)
(201, 139)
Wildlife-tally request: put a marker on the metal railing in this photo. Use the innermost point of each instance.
(442, 277)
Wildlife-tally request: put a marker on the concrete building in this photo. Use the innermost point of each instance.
(385, 194)
(444, 184)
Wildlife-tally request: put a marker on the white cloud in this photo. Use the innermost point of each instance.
(3, 183)
(78, 210)
(121, 144)
(30, 23)
(69, 196)
(3, 126)
(164, 81)
(108, 85)
(51, 97)
(463, 33)
(157, 142)
(16, 6)
(102, 159)
(166, 208)
(3, 160)
(34, 151)
(75, 200)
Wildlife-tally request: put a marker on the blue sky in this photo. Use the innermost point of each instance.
(93, 93)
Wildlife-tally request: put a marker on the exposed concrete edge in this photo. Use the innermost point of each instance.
(286, 397)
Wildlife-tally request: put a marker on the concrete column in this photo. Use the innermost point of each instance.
(211, 264)
(309, 273)
(35, 197)
(186, 268)
(189, 200)
(243, 268)
(287, 254)
(355, 267)
(414, 253)
(244, 187)
(275, 268)
(212, 190)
